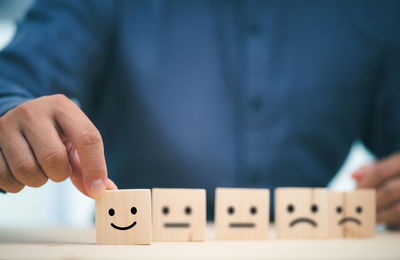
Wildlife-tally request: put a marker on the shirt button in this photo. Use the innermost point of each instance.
(254, 29)
(256, 104)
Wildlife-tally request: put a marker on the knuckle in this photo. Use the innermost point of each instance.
(38, 182)
(24, 168)
(389, 191)
(59, 98)
(90, 137)
(59, 177)
(25, 111)
(14, 188)
(53, 158)
(61, 101)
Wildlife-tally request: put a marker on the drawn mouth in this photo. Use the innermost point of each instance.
(176, 225)
(242, 225)
(123, 228)
(303, 220)
(349, 219)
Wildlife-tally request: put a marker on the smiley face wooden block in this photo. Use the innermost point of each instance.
(242, 214)
(352, 214)
(123, 217)
(179, 214)
(301, 213)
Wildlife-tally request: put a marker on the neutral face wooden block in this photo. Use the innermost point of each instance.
(179, 214)
(123, 217)
(242, 214)
(360, 213)
(301, 213)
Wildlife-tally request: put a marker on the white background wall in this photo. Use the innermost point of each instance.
(60, 204)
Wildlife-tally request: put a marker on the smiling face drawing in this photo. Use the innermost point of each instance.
(179, 214)
(242, 213)
(123, 217)
(301, 212)
(111, 212)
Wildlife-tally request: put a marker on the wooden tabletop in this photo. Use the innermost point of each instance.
(80, 244)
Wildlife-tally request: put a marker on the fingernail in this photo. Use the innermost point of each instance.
(362, 172)
(97, 187)
(111, 185)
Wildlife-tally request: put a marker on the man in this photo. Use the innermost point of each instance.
(202, 94)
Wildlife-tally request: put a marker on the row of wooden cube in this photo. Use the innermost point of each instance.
(129, 217)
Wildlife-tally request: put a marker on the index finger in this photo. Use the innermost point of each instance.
(381, 171)
(81, 132)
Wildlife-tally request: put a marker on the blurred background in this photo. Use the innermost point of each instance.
(60, 204)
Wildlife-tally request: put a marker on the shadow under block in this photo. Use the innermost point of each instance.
(242, 214)
(179, 214)
(301, 213)
(123, 217)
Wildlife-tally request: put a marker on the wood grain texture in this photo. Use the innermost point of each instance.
(360, 205)
(242, 214)
(179, 214)
(114, 211)
(335, 214)
(301, 213)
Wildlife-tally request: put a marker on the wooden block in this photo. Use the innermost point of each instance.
(242, 214)
(360, 213)
(123, 217)
(335, 214)
(179, 214)
(301, 213)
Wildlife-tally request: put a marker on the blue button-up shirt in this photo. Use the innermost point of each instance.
(217, 93)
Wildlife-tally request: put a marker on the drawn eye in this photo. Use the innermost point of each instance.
(188, 210)
(339, 209)
(359, 209)
(314, 208)
(165, 210)
(133, 210)
(231, 210)
(111, 212)
(290, 208)
(253, 210)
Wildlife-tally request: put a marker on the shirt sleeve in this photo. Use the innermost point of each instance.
(59, 47)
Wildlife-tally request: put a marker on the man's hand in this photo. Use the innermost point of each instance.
(50, 137)
(383, 175)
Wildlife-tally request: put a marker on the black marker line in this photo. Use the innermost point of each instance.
(176, 225)
(349, 219)
(242, 225)
(306, 220)
(123, 228)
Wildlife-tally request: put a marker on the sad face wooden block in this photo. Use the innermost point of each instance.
(123, 217)
(179, 214)
(352, 214)
(301, 213)
(242, 214)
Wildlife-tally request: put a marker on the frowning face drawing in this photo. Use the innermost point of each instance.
(301, 212)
